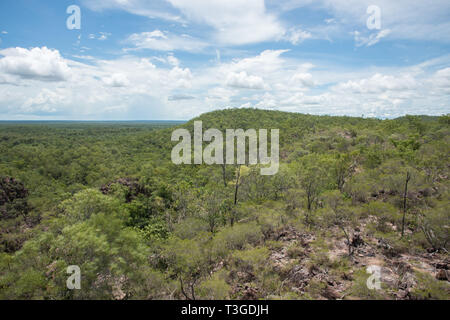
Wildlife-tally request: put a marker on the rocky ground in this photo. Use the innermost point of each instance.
(318, 273)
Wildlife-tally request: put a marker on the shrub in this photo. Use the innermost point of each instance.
(190, 228)
(214, 288)
(238, 236)
(360, 289)
(428, 288)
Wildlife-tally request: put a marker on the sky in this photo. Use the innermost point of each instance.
(177, 59)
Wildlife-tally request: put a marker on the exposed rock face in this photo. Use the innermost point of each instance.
(323, 281)
(300, 276)
(445, 265)
(405, 285)
(246, 292)
(134, 188)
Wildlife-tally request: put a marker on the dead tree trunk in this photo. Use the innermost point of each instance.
(224, 175)
(408, 177)
(238, 177)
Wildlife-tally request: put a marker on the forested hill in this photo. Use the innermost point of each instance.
(106, 197)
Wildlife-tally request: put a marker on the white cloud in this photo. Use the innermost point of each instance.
(117, 80)
(103, 36)
(178, 97)
(229, 19)
(165, 41)
(244, 81)
(151, 9)
(297, 36)
(305, 79)
(226, 19)
(379, 83)
(219, 93)
(370, 40)
(99, 90)
(37, 63)
(45, 101)
(173, 61)
(181, 77)
(440, 82)
(128, 86)
(266, 62)
(412, 20)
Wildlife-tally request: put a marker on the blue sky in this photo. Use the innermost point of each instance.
(176, 59)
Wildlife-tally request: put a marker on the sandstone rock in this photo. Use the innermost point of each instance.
(388, 277)
(299, 275)
(402, 295)
(407, 282)
(331, 293)
(443, 275)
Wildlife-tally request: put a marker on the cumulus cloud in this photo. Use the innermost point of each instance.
(173, 61)
(442, 78)
(280, 82)
(181, 77)
(378, 83)
(37, 63)
(45, 101)
(305, 79)
(83, 94)
(244, 81)
(440, 81)
(266, 62)
(116, 80)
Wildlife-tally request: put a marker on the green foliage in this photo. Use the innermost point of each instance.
(430, 288)
(435, 225)
(237, 237)
(106, 197)
(214, 288)
(155, 230)
(360, 290)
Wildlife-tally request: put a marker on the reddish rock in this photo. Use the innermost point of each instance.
(443, 275)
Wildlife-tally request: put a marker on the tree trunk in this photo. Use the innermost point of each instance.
(237, 184)
(224, 175)
(349, 244)
(408, 177)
